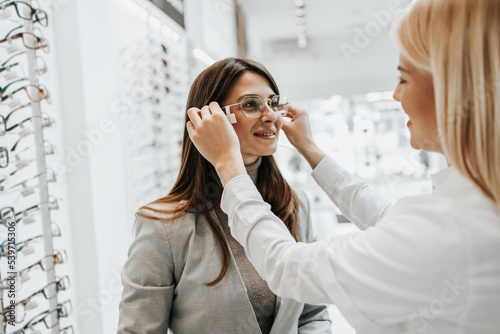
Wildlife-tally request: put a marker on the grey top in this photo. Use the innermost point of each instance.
(263, 300)
(163, 283)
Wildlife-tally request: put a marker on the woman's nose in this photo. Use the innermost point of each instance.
(396, 94)
(268, 114)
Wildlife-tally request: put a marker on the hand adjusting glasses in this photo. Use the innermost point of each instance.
(252, 106)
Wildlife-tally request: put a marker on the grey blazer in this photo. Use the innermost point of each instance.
(168, 262)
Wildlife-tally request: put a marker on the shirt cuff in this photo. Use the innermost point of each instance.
(327, 172)
(238, 189)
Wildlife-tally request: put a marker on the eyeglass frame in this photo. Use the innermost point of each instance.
(61, 284)
(17, 246)
(43, 93)
(33, 13)
(227, 108)
(34, 321)
(42, 43)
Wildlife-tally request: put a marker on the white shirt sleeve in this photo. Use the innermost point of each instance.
(369, 275)
(350, 195)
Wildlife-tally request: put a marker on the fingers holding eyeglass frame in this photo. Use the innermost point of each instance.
(252, 106)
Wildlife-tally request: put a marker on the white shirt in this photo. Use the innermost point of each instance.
(428, 264)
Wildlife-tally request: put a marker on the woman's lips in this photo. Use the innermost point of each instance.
(408, 123)
(266, 134)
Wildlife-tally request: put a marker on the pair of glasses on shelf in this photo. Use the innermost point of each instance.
(10, 71)
(41, 66)
(48, 292)
(49, 149)
(63, 311)
(22, 187)
(19, 162)
(34, 93)
(25, 11)
(47, 122)
(8, 215)
(29, 39)
(46, 263)
(11, 249)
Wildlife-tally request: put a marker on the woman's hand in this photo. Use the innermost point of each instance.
(298, 132)
(215, 139)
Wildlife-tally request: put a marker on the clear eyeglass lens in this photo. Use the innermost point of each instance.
(30, 41)
(20, 313)
(65, 309)
(282, 105)
(56, 230)
(3, 125)
(23, 10)
(4, 157)
(41, 17)
(67, 330)
(252, 106)
(48, 322)
(49, 291)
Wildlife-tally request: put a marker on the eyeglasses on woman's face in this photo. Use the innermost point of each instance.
(252, 106)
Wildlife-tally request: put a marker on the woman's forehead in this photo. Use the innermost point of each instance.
(251, 84)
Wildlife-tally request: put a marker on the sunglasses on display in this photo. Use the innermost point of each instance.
(252, 106)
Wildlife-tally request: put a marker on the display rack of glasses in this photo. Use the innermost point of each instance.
(154, 84)
(30, 289)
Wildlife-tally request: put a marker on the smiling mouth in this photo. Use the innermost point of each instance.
(264, 134)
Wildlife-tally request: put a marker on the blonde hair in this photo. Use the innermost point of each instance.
(458, 41)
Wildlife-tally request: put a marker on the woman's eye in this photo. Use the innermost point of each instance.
(401, 80)
(251, 104)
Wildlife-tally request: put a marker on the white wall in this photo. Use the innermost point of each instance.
(95, 201)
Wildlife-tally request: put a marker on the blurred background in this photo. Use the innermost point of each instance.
(119, 72)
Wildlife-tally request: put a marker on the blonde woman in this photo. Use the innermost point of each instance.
(427, 264)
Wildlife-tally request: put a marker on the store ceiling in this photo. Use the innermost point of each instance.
(323, 69)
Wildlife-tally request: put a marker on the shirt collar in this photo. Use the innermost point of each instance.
(440, 177)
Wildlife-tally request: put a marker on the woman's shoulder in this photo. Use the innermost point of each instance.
(166, 219)
(161, 211)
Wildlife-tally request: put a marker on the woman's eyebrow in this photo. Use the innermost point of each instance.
(252, 94)
(402, 69)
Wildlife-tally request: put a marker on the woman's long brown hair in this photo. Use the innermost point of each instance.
(198, 185)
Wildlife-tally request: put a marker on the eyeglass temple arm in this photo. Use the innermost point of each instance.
(230, 117)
